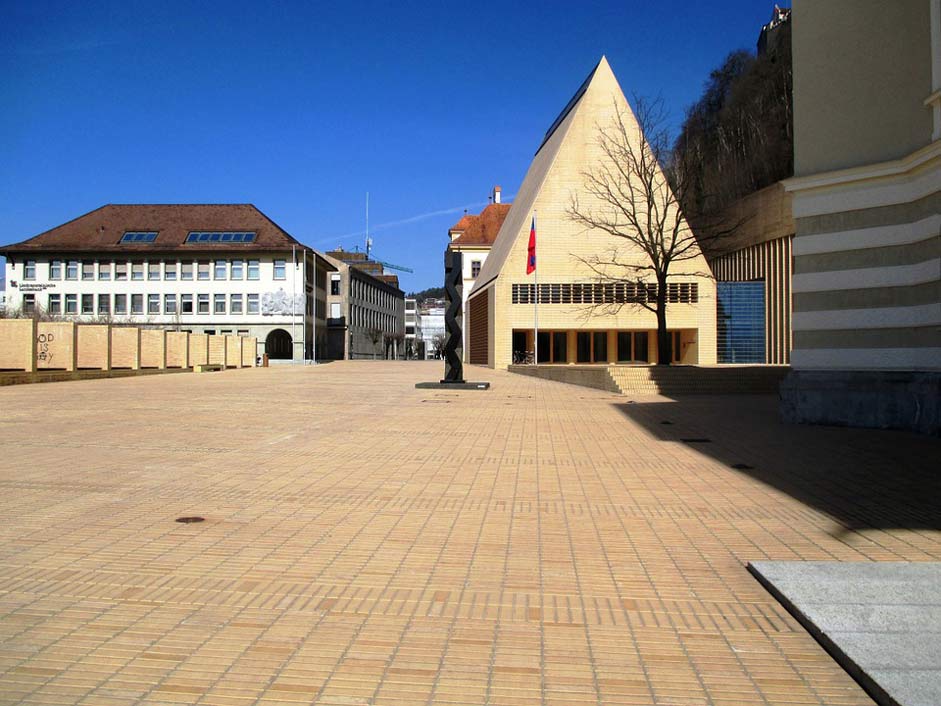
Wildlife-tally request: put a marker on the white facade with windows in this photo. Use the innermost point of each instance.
(413, 329)
(432, 326)
(226, 285)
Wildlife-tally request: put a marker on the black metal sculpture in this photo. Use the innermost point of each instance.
(454, 347)
(453, 316)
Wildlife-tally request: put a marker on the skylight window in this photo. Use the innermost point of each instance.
(220, 237)
(135, 236)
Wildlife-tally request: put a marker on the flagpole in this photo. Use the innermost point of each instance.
(536, 307)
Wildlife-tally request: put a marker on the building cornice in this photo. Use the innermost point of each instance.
(868, 172)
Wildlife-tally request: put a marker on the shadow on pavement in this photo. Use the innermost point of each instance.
(863, 478)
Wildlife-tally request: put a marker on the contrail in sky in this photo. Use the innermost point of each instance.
(405, 221)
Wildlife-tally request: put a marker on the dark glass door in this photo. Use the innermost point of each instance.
(559, 347)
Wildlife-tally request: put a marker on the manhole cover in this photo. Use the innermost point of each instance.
(697, 440)
(742, 467)
(190, 520)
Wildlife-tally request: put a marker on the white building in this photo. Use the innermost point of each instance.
(413, 329)
(473, 236)
(217, 269)
(431, 312)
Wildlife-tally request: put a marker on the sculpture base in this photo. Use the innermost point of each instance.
(447, 385)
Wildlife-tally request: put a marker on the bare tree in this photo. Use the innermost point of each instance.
(637, 192)
(375, 335)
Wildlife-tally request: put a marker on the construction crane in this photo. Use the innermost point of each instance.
(393, 267)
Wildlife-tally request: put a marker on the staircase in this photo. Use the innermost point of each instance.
(665, 380)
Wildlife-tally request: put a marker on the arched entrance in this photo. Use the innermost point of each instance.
(278, 345)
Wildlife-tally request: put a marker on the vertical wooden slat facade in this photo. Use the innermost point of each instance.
(478, 309)
(771, 262)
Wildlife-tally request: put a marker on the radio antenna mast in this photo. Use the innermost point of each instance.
(367, 226)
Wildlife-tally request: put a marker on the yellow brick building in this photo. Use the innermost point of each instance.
(572, 329)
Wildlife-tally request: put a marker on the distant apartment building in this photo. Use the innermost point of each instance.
(366, 309)
(216, 269)
(414, 346)
(473, 236)
(867, 209)
(432, 326)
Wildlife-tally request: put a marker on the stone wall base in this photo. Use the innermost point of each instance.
(877, 399)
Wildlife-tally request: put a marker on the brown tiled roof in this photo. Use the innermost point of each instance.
(482, 229)
(389, 279)
(102, 229)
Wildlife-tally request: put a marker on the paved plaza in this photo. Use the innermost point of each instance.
(369, 543)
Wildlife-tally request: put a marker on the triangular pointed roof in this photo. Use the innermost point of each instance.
(556, 175)
(600, 78)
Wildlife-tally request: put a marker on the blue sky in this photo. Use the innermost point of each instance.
(303, 107)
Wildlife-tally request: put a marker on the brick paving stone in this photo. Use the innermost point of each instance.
(369, 543)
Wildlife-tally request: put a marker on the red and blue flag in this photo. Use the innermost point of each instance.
(531, 258)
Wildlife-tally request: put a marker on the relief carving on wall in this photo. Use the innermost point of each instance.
(280, 303)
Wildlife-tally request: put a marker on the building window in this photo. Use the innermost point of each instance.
(220, 269)
(153, 303)
(29, 303)
(137, 271)
(235, 304)
(55, 269)
(202, 270)
(238, 269)
(104, 304)
(71, 270)
(29, 272)
(153, 270)
(253, 269)
(740, 322)
(169, 304)
(88, 304)
(137, 303)
(120, 303)
(252, 304)
(138, 237)
(334, 310)
(71, 303)
(169, 271)
(104, 271)
(335, 285)
(242, 332)
(88, 270)
(202, 303)
(186, 271)
(55, 304)
(218, 304)
(120, 272)
(475, 268)
(280, 269)
(186, 303)
(210, 237)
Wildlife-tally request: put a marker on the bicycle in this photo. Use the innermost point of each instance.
(523, 358)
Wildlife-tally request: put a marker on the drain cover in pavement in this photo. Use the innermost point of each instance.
(190, 520)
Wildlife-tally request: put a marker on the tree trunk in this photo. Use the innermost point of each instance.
(664, 347)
